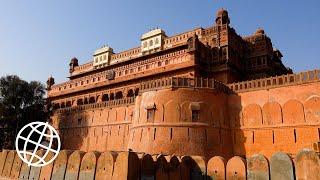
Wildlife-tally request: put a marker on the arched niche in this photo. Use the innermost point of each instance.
(252, 115)
(312, 109)
(293, 112)
(272, 113)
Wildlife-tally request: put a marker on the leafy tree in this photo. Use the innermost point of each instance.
(20, 103)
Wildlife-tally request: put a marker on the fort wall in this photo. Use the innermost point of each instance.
(96, 127)
(130, 165)
(199, 117)
(284, 116)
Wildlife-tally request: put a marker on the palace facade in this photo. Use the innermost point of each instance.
(204, 92)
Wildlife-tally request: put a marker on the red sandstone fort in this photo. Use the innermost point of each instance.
(205, 92)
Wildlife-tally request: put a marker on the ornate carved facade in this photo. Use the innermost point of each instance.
(204, 92)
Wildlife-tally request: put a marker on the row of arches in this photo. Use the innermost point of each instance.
(97, 99)
(292, 112)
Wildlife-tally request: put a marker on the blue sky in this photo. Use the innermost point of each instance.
(38, 38)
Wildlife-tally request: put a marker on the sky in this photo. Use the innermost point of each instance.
(38, 38)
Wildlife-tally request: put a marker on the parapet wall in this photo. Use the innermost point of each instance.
(102, 126)
(277, 81)
(280, 117)
(266, 119)
(129, 165)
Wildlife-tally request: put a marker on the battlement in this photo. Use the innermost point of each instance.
(109, 104)
(180, 82)
(121, 73)
(277, 81)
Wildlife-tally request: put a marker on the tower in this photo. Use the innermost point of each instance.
(73, 63)
(222, 17)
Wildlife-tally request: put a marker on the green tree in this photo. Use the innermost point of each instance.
(20, 103)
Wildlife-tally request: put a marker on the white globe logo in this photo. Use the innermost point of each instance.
(31, 157)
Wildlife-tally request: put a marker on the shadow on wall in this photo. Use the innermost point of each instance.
(235, 122)
(73, 128)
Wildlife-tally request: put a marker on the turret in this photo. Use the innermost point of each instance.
(50, 82)
(259, 31)
(222, 17)
(73, 63)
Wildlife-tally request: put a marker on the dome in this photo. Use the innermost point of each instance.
(74, 60)
(222, 17)
(50, 82)
(51, 79)
(222, 12)
(259, 31)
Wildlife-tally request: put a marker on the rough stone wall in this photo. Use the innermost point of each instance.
(98, 129)
(130, 165)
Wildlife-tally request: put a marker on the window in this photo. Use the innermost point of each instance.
(156, 41)
(150, 42)
(150, 115)
(195, 115)
(79, 121)
(150, 112)
(145, 44)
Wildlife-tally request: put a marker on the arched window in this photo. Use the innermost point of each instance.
(105, 97)
(119, 95)
(68, 104)
(79, 102)
(130, 93)
(56, 106)
(151, 43)
(92, 100)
